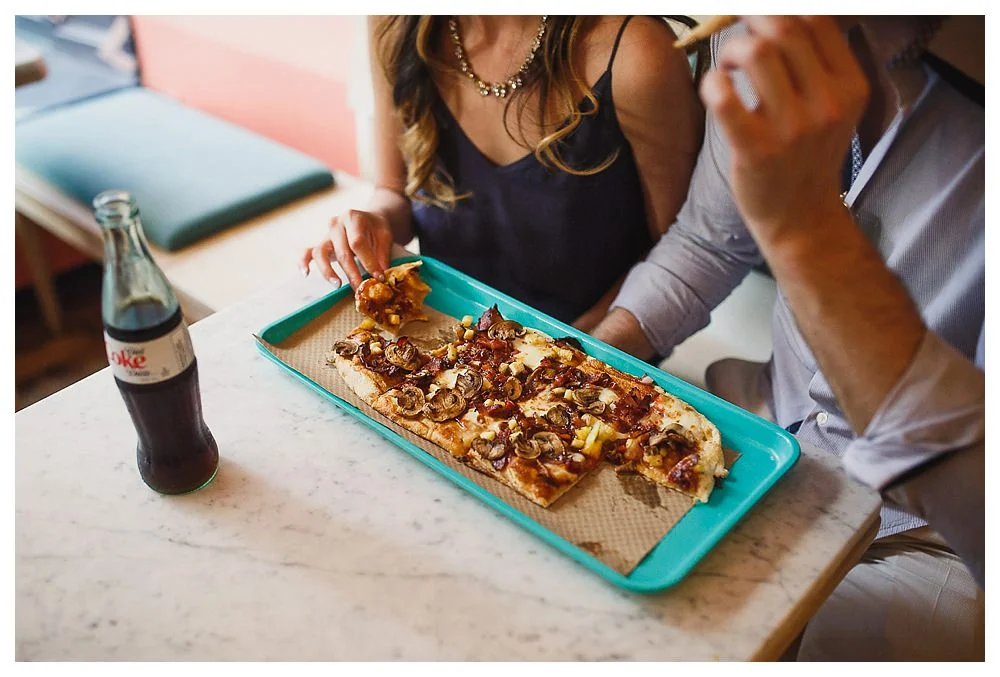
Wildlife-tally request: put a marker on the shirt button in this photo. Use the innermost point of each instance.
(822, 417)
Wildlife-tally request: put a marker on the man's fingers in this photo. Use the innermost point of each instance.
(763, 64)
(345, 256)
(719, 95)
(793, 42)
(361, 238)
(831, 45)
(835, 52)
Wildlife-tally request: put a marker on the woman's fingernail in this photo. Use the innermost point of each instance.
(305, 271)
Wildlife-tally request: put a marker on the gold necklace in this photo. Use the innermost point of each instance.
(497, 89)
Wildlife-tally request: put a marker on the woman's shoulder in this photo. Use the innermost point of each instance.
(651, 77)
(643, 42)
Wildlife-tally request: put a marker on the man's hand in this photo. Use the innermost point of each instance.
(787, 153)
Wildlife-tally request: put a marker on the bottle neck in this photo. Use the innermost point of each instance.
(136, 295)
(124, 241)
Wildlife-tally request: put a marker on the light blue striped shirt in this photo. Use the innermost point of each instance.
(920, 199)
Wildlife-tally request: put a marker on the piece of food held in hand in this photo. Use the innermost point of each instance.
(396, 300)
(535, 413)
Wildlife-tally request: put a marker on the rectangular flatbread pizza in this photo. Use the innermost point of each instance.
(534, 413)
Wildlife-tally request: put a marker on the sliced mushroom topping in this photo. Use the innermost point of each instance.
(409, 400)
(558, 416)
(346, 348)
(589, 400)
(526, 448)
(512, 389)
(541, 374)
(586, 396)
(403, 355)
(505, 330)
(674, 432)
(548, 443)
(571, 341)
(469, 382)
(490, 450)
(445, 404)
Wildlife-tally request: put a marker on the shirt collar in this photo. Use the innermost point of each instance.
(881, 149)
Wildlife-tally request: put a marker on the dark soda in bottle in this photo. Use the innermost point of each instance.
(151, 356)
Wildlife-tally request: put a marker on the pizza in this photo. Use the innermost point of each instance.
(533, 412)
(395, 300)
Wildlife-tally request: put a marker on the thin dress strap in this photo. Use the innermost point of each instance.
(618, 39)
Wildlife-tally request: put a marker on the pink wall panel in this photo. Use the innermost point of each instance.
(283, 77)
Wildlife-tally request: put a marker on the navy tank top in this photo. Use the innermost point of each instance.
(551, 239)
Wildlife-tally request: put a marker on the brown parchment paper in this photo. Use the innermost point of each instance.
(616, 518)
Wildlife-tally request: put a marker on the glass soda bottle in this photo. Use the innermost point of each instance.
(150, 354)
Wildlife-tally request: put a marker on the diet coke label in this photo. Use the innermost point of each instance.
(151, 361)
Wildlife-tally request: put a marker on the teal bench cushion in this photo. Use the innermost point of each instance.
(192, 174)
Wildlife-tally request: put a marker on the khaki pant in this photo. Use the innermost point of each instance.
(910, 598)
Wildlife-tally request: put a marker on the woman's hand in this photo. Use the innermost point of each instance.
(787, 153)
(366, 235)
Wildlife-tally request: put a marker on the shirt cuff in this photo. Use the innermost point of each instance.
(936, 407)
(666, 308)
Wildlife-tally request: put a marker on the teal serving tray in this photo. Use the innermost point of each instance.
(767, 451)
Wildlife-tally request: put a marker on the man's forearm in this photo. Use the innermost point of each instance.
(854, 313)
(622, 330)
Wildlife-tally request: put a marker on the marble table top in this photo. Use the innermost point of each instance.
(320, 540)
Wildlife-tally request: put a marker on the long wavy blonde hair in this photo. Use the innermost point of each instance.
(404, 48)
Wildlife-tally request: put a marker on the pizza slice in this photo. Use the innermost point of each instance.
(670, 442)
(396, 300)
(638, 426)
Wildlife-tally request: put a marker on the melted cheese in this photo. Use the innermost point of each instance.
(608, 396)
(447, 378)
(534, 407)
(532, 348)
